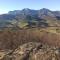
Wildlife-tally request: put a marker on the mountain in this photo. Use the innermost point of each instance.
(30, 18)
(38, 39)
(46, 12)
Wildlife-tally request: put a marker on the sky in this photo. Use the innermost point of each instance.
(10, 5)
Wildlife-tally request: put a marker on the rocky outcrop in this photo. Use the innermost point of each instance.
(33, 51)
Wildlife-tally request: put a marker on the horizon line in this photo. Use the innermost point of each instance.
(27, 8)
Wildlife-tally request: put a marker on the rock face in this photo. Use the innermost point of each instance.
(33, 51)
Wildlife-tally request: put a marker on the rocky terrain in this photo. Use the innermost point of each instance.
(30, 44)
(32, 51)
(30, 35)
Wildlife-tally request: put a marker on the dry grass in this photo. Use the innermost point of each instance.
(12, 39)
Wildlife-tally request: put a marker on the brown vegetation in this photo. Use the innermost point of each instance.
(12, 39)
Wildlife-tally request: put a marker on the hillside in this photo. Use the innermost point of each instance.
(29, 34)
(27, 18)
(32, 51)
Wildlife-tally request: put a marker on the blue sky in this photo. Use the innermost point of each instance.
(9, 5)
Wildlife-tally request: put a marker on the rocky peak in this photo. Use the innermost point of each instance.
(45, 12)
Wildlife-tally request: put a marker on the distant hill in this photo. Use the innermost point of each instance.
(30, 18)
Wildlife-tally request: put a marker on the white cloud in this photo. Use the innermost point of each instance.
(3, 12)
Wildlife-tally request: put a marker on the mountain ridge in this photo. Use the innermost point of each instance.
(29, 17)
